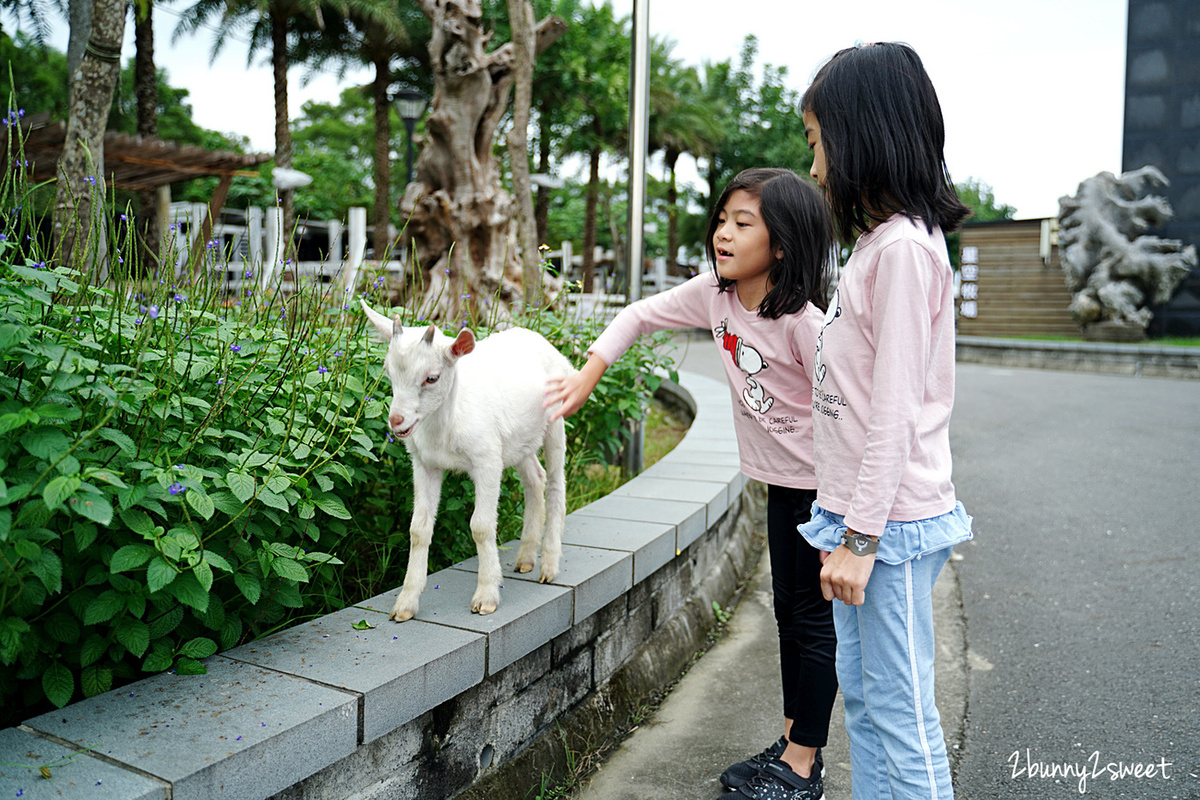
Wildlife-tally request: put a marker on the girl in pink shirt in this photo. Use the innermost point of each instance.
(769, 238)
(883, 389)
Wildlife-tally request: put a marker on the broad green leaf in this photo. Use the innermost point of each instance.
(204, 575)
(159, 574)
(135, 635)
(30, 551)
(48, 569)
(279, 484)
(162, 625)
(306, 509)
(62, 627)
(84, 536)
(241, 484)
(289, 569)
(139, 522)
(158, 661)
(332, 506)
(46, 442)
(59, 684)
(249, 586)
(190, 666)
(198, 648)
(131, 556)
(217, 561)
(95, 680)
(120, 439)
(59, 489)
(269, 498)
(103, 608)
(201, 503)
(94, 646)
(6, 524)
(188, 591)
(362, 625)
(92, 505)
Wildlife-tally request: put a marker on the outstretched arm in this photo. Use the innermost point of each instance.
(571, 392)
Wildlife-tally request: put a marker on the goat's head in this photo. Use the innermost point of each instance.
(420, 364)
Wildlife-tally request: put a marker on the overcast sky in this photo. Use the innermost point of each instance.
(1032, 90)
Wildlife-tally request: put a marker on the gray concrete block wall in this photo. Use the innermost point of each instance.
(1109, 358)
(424, 708)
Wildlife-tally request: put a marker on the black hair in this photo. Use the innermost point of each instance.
(884, 138)
(798, 222)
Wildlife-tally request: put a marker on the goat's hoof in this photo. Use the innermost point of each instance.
(547, 577)
(403, 611)
(483, 608)
(524, 566)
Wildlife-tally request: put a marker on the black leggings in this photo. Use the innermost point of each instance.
(807, 642)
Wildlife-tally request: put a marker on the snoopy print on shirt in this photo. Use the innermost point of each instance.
(749, 361)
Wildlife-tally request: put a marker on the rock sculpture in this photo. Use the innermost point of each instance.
(1115, 269)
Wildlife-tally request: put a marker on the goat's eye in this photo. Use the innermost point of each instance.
(431, 379)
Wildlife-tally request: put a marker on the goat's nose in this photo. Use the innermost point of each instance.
(395, 420)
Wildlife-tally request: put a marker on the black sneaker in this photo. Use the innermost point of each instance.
(776, 781)
(743, 772)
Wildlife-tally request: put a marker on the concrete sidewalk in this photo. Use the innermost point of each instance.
(729, 705)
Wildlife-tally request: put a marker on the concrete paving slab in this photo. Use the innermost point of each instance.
(652, 544)
(239, 732)
(713, 494)
(688, 518)
(400, 670)
(73, 773)
(529, 615)
(596, 576)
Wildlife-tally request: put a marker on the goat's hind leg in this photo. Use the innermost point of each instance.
(533, 478)
(483, 530)
(427, 491)
(555, 448)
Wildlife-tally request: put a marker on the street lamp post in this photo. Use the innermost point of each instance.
(410, 105)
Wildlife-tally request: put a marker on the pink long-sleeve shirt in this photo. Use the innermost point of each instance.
(768, 363)
(883, 384)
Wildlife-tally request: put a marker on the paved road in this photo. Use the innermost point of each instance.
(1080, 591)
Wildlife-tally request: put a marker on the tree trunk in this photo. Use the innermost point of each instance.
(145, 89)
(520, 15)
(467, 262)
(672, 158)
(283, 130)
(383, 160)
(589, 221)
(541, 208)
(79, 199)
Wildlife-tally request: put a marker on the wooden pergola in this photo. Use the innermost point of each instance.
(139, 163)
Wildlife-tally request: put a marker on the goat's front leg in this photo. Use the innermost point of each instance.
(486, 477)
(427, 492)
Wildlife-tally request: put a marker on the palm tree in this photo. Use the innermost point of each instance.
(600, 77)
(375, 33)
(268, 22)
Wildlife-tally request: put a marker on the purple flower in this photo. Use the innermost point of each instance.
(177, 488)
(179, 298)
(322, 370)
(90, 179)
(153, 312)
(337, 353)
(237, 348)
(137, 322)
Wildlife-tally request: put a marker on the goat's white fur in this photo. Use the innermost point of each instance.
(476, 407)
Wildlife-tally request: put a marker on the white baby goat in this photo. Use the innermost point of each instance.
(476, 407)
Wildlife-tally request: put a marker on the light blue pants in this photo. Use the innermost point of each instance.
(885, 658)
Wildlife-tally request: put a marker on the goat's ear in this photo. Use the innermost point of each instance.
(384, 327)
(462, 345)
